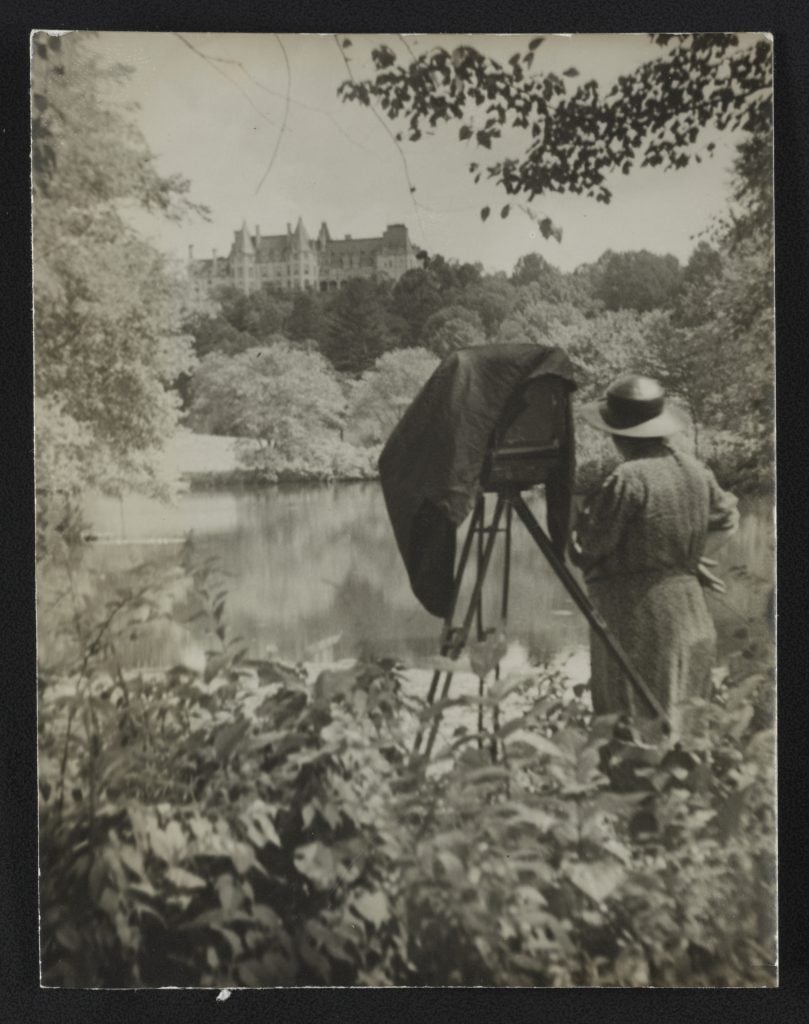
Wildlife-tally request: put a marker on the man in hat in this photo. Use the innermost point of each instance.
(642, 542)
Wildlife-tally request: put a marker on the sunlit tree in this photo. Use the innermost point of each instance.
(288, 401)
(452, 328)
(383, 393)
(107, 317)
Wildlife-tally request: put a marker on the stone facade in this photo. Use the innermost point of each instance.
(296, 262)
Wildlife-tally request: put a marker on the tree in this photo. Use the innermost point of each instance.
(260, 314)
(636, 280)
(416, 296)
(533, 320)
(492, 300)
(693, 304)
(360, 327)
(107, 319)
(721, 362)
(307, 320)
(421, 292)
(751, 211)
(571, 140)
(450, 275)
(704, 264)
(535, 269)
(216, 334)
(452, 328)
(611, 344)
(287, 400)
(384, 392)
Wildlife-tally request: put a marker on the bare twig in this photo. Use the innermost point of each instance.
(219, 71)
(286, 113)
(294, 102)
(411, 187)
(407, 46)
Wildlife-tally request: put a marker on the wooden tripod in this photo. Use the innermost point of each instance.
(454, 638)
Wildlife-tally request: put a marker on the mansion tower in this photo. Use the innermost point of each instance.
(296, 262)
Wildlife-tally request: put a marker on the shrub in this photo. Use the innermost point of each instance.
(246, 826)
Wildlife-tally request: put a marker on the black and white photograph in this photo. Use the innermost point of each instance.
(405, 510)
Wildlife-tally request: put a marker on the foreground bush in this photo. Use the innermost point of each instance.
(246, 827)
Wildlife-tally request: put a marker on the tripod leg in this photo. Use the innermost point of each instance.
(479, 602)
(506, 566)
(446, 636)
(480, 636)
(584, 604)
(504, 595)
(475, 526)
(463, 633)
(480, 714)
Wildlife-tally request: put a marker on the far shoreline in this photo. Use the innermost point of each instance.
(209, 462)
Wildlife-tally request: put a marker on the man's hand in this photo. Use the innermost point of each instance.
(707, 578)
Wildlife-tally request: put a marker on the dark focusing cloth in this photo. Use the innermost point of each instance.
(431, 465)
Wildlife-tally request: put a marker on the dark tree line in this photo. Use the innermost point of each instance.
(440, 306)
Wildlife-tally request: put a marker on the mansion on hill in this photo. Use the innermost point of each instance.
(296, 262)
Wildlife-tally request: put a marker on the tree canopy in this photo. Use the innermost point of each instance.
(361, 326)
(452, 328)
(636, 280)
(113, 348)
(384, 392)
(260, 314)
(574, 137)
(287, 400)
(106, 309)
(307, 320)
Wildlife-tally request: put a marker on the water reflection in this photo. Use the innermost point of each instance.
(309, 563)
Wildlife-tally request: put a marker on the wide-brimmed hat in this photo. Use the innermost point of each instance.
(633, 406)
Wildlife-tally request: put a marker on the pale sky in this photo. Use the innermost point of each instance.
(335, 161)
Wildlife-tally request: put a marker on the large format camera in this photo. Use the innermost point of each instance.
(493, 419)
(530, 437)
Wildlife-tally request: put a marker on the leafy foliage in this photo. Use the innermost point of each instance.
(534, 320)
(535, 269)
(636, 280)
(383, 393)
(108, 338)
(360, 326)
(288, 400)
(243, 825)
(573, 136)
(216, 334)
(738, 331)
(417, 295)
(452, 328)
(260, 314)
(307, 320)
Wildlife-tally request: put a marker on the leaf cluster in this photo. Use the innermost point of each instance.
(250, 825)
(573, 138)
(106, 308)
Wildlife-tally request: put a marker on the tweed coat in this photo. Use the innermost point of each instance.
(639, 542)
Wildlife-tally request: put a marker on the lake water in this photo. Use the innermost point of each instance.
(309, 563)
